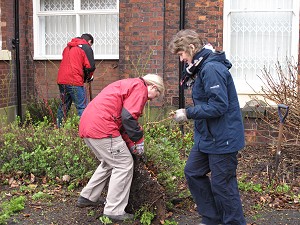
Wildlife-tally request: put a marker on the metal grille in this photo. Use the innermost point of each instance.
(57, 5)
(261, 33)
(259, 39)
(56, 28)
(106, 32)
(59, 30)
(100, 4)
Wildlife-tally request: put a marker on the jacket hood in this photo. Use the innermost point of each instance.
(219, 56)
(77, 41)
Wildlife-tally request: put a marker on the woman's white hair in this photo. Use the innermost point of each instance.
(155, 80)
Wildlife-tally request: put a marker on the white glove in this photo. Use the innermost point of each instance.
(180, 116)
(137, 149)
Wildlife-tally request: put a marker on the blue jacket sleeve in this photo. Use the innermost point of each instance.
(214, 88)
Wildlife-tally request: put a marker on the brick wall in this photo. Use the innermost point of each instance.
(7, 76)
(38, 78)
(8, 68)
(141, 37)
(258, 132)
(206, 17)
(45, 73)
(6, 73)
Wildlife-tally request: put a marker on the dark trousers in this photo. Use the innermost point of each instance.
(217, 198)
(69, 94)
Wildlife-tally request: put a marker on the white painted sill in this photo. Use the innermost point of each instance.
(5, 55)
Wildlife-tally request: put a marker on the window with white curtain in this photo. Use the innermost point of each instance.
(56, 22)
(257, 34)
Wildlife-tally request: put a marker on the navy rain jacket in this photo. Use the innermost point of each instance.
(216, 112)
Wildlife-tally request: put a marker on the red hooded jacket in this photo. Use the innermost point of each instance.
(115, 111)
(78, 59)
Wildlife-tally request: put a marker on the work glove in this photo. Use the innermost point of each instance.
(137, 149)
(180, 115)
(90, 79)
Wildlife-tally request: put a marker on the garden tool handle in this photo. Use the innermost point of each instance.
(90, 91)
(281, 116)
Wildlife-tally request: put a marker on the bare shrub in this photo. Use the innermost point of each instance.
(282, 88)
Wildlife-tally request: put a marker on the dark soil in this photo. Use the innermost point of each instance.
(262, 206)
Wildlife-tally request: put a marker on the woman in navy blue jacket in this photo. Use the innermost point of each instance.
(218, 130)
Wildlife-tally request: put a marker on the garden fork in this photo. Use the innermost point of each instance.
(282, 117)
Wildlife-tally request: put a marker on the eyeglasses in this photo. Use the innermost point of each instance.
(157, 90)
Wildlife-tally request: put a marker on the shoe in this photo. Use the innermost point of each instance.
(84, 202)
(205, 224)
(126, 216)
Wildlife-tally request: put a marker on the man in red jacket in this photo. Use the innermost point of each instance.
(76, 68)
(109, 126)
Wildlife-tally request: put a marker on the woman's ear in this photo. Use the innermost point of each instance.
(192, 47)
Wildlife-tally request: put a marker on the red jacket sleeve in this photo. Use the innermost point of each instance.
(133, 106)
(129, 142)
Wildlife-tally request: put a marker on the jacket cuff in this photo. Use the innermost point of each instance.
(140, 141)
(187, 113)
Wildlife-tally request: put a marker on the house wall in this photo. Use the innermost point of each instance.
(45, 73)
(38, 77)
(206, 17)
(7, 78)
(146, 28)
(142, 38)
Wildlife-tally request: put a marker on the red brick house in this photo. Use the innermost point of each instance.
(131, 39)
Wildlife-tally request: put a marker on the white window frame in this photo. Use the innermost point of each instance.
(77, 13)
(243, 87)
(4, 54)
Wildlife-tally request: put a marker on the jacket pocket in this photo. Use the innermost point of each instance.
(203, 129)
(218, 128)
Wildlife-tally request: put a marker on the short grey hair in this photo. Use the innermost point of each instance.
(155, 80)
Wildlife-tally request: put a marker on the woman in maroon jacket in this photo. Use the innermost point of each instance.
(77, 66)
(109, 126)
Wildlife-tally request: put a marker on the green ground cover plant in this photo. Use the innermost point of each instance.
(44, 151)
(37, 151)
(168, 149)
(37, 147)
(8, 208)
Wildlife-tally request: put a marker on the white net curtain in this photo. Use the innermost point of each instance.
(61, 20)
(261, 33)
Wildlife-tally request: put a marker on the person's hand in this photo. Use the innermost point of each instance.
(89, 80)
(137, 149)
(180, 115)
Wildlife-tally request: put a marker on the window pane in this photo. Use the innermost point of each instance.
(61, 20)
(259, 39)
(56, 5)
(105, 29)
(58, 31)
(101, 4)
(261, 4)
